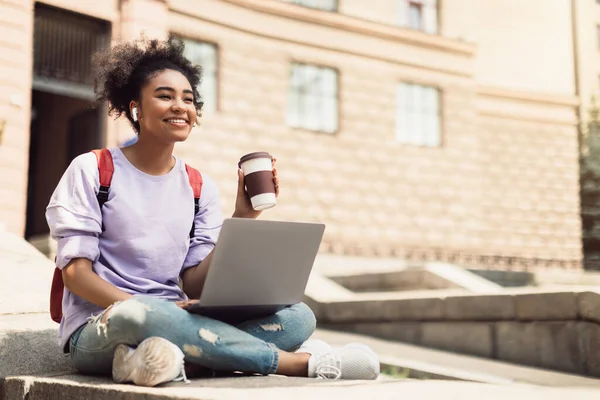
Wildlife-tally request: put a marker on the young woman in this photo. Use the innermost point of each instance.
(123, 307)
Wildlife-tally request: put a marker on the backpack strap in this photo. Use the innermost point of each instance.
(56, 295)
(106, 169)
(195, 179)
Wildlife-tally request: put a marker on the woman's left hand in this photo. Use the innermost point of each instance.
(243, 206)
(185, 304)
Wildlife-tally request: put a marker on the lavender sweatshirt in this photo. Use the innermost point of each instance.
(147, 219)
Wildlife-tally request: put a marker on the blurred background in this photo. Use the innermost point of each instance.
(459, 131)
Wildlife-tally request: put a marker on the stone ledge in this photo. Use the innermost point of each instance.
(15, 388)
(57, 389)
(588, 306)
(555, 330)
(82, 387)
(512, 304)
(466, 337)
(497, 370)
(483, 307)
(28, 346)
(566, 346)
(19, 259)
(382, 310)
(547, 306)
(356, 25)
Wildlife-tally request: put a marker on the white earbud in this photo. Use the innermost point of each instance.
(134, 114)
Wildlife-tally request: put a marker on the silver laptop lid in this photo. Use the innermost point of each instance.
(261, 262)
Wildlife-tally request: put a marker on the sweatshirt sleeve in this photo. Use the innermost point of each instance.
(73, 214)
(207, 222)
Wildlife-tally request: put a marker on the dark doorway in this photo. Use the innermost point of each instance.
(62, 127)
(65, 120)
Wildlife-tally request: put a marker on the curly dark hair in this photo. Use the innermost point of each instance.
(121, 71)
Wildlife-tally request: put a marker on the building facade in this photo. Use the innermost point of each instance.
(419, 129)
(586, 15)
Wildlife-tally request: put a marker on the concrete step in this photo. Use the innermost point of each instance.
(28, 347)
(446, 365)
(277, 388)
(25, 276)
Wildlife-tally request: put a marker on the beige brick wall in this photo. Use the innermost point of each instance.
(504, 183)
(530, 200)
(381, 11)
(147, 16)
(16, 25)
(522, 45)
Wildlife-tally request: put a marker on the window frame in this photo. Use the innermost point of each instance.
(217, 74)
(336, 96)
(335, 5)
(404, 21)
(418, 5)
(440, 116)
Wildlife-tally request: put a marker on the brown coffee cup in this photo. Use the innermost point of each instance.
(258, 175)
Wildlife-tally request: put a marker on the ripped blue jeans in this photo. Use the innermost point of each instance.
(250, 346)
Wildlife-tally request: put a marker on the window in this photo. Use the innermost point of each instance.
(415, 16)
(313, 98)
(419, 15)
(418, 116)
(205, 54)
(327, 5)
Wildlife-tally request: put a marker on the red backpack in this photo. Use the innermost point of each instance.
(106, 169)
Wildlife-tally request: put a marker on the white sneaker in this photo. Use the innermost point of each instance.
(312, 346)
(353, 361)
(154, 361)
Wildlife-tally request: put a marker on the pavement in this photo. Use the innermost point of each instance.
(275, 387)
(32, 366)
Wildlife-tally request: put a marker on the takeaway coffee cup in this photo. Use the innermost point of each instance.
(258, 175)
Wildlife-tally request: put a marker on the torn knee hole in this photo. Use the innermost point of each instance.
(192, 350)
(209, 336)
(106, 314)
(271, 327)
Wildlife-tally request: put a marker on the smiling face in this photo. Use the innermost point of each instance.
(166, 110)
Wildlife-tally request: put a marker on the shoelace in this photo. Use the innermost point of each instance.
(329, 367)
(182, 376)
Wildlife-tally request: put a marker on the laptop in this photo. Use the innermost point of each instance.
(258, 268)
